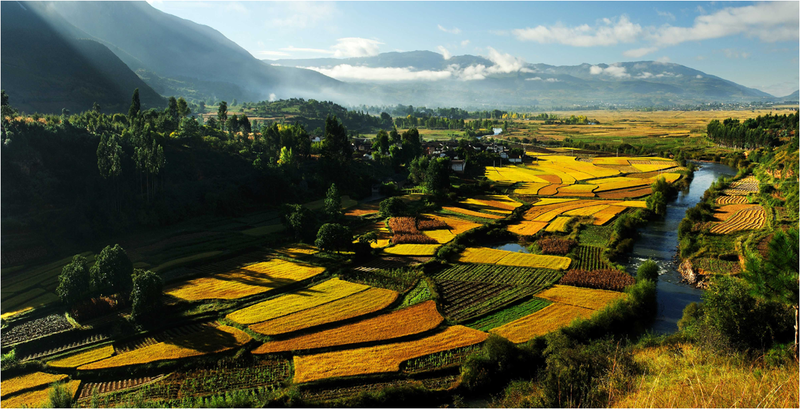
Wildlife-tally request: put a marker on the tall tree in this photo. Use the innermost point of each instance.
(336, 145)
(146, 294)
(112, 270)
(333, 203)
(334, 236)
(222, 114)
(136, 105)
(73, 282)
(183, 108)
(381, 143)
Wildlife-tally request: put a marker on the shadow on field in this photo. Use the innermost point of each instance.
(209, 339)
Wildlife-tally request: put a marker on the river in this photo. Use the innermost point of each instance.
(658, 240)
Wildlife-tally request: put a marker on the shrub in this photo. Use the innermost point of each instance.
(392, 207)
(498, 361)
(146, 295)
(648, 271)
(334, 236)
(73, 283)
(59, 397)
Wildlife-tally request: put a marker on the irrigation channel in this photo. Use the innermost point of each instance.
(658, 240)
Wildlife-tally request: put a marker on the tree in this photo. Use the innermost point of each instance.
(109, 157)
(775, 278)
(96, 108)
(286, 158)
(333, 203)
(59, 396)
(336, 147)
(392, 207)
(657, 203)
(222, 114)
(648, 271)
(111, 272)
(146, 293)
(381, 143)
(245, 126)
(334, 236)
(7, 110)
(183, 108)
(437, 177)
(299, 220)
(136, 106)
(73, 282)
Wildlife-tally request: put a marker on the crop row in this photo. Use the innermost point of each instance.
(407, 321)
(412, 249)
(592, 299)
(403, 225)
(607, 279)
(438, 360)
(747, 219)
(473, 213)
(322, 395)
(396, 277)
(415, 238)
(559, 224)
(549, 318)
(725, 212)
(589, 258)
(486, 273)
(65, 347)
(508, 258)
(727, 200)
(462, 301)
(527, 228)
(90, 388)
(37, 398)
(507, 315)
(40, 327)
(29, 381)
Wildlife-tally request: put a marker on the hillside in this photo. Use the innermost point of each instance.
(45, 71)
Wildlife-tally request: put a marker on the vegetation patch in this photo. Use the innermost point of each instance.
(607, 279)
(549, 318)
(83, 358)
(509, 314)
(29, 381)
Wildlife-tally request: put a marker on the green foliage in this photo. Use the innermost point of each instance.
(381, 143)
(336, 146)
(496, 363)
(648, 271)
(334, 236)
(136, 105)
(112, 271)
(299, 220)
(333, 203)
(437, 177)
(287, 157)
(146, 294)
(392, 207)
(222, 113)
(74, 281)
(59, 396)
(776, 277)
(109, 157)
(657, 203)
(9, 359)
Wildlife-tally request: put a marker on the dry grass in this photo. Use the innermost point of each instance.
(29, 381)
(365, 302)
(580, 297)
(685, 376)
(381, 358)
(299, 300)
(509, 258)
(36, 399)
(549, 318)
(412, 249)
(208, 340)
(250, 280)
(407, 321)
(83, 358)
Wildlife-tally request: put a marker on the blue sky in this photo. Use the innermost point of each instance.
(751, 43)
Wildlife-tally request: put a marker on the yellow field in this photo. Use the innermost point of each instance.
(365, 302)
(514, 174)
(581, 188)
(549, 201)
(299, 300)
(586, 211)
(297, 250)
(253, 279)
(457, 226)
(412, 249)
(82, 358)
(580, 297)
(407, 321)
(548, 319)
(29, 381)
(751, 218)
(558, 225)
(527, 228)
(510, 258)
(36, 399)
(468, 212)
(380, 358)
(441, 236)
(604, 216)
(529, 188)
(206, 341)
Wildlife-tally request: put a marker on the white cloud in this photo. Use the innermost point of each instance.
(770, 22)
(666, 14)
(645, 74)
(350, 72)
(612, 70)
(698, 76)
(465, 43)
(663, 59)
(505, 63)
(639, 52)
(355, 47)
(540, 79)
(454, 30)
(306, 50)
(301, 14)
(235, 6)
(273, 53)
(700, 57)
(607, 32)
(272, 97)
(444, 52)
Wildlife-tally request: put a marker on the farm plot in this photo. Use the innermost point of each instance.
(746, 185)
(527, 228)
(708, 265)
(358, 304)
(298, 250)
(467, 212)
(37, 398)
(607, 279)
(606, 215)
(299, 300)
(514, 276)
(405, 231)
(439, 360)
(589, 258)
(381, 358)
(725, 212)
(548, 210)
(508, 258)
(51, 324)
(529, 188)
(751, 218)
(510, 314)
(114, 386)
(404, 322)
(549, 318)
(558, 225)
(246, 281)
(494, 202)
(730, 200)
(44, 353)
(209, 340)
(454, 224)
(625, 193)
(322, 395)
(580, 297)
(30, 381)
(83, 358)
(412, 249)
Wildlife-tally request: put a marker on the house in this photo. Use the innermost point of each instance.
(514, 158)
(458, 165)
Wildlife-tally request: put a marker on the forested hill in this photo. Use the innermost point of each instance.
(45, 70)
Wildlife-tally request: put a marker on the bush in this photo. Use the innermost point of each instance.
(498, 361)
(648, 271)
(74, 280)
(392, 207)
(146, 294)
(334, 236)
(59, 397)
(112, 271)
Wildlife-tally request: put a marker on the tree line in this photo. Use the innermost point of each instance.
(763, 131)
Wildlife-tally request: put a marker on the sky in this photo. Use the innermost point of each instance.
(751, 43)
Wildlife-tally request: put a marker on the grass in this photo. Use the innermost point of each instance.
(509, 314)
(420, 293)
(380, 358)
(509, 258)
(365, 302)
(407, 321)
(209, 340)
(299, 300)
(29, 381)
(83, 358)
(580, 297)
(242, 282)
(549, 318)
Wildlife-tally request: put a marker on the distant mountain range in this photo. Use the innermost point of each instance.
(71, 54)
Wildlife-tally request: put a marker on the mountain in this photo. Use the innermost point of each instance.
(174, 52)
(793, 97)
(47, 67)
(420, 60)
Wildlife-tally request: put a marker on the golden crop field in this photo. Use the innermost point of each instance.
(580, 297)
(249, 280)
(37, 398)
(604, 216)
(365, 302)
(299, 300)
(586, 211)
(548, 319)
(82, 358)
(412, 249)
(510, 258)
(381, 358)
(728, 200)
(468, 212)
(529, 188)
(527, 228)
(457, 226)
(29, 381)
(726, 211)
(558, 225)
(208, 340)
(441, 236)
(407, 321)
(751, 218)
